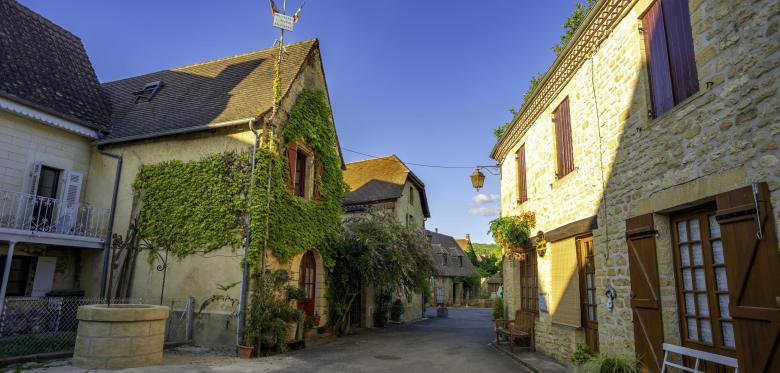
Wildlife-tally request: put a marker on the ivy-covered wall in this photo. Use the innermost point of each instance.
(199, 206)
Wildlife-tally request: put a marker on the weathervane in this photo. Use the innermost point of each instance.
(284, 23)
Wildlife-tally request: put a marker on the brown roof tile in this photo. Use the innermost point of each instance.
(203, 94)
(380, 179)
(44, 66)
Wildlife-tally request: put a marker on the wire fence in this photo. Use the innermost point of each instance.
(40, 325)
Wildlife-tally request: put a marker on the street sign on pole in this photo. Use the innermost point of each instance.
(283, 22)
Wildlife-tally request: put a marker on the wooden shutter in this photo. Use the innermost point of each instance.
(564, 301)
(753, 271)
(318, 175)
(645, 292)
(679, 37)
(292, 156)
(563, 141)
(522, 185)
(658, 60)
(69, 207)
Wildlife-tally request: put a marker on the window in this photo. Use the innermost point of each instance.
(522, 188)
(409, 220)
(19, 275)
(702, 290)
(670, 57)
(444, 257)
(563, 146)
(529, 290)
(411, 195)
(460, 260)
(300, 175)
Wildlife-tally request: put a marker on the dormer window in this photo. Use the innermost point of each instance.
(444, 256)
(460, 260)
(146, 94)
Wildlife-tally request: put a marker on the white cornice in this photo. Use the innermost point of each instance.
(46, 118)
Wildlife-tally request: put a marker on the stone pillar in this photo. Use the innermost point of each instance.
(122, 336)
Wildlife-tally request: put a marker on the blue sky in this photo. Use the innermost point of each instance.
(426, 80)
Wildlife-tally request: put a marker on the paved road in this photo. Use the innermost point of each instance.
(456, 344)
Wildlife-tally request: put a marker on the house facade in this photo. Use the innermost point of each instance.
(386, 183)
(657, 125)
(51, 110)
(452, 265)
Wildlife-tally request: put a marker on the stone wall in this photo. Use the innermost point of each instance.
(626, 164)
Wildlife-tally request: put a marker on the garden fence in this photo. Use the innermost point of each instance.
(37, 325)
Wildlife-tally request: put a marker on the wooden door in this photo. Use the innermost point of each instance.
(307, 281)
(645, 292)
(753, 269)
(587, 271)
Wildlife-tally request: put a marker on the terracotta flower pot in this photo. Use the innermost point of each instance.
(245, 352)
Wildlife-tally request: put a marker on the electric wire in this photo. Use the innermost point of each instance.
(415, 164)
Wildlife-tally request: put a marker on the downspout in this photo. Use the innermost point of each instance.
(9, 257)
(110, 228)
(247, 236)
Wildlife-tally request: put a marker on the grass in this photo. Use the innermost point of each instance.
(29, 344)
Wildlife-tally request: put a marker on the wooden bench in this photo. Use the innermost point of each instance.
(522, 327)
(695, 354)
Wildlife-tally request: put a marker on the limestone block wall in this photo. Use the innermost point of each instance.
(724, 137)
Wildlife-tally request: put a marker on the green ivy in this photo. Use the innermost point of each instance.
(192, 206)
(199, 206)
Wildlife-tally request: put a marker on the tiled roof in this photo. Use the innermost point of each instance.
(380, 179)
(497, 278)
(46, 67)
(196, 96)
(442, 243)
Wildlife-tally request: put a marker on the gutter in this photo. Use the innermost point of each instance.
(247, 237)
(176, 131)
(110, 229)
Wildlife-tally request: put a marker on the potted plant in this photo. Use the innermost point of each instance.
(316, 319)
(245, 352)
(294, 317)
(308, 327)
(609, 363)
(396, 310)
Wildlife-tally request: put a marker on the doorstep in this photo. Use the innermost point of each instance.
(534, 361)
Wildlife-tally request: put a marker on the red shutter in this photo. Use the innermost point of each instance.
(658, 60)
(753, 271)
(318, 180)
(292, 156)
(522, 185)
(564, 149)
(679, 37)
(645, 292)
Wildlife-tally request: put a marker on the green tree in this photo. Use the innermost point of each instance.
(573, 23)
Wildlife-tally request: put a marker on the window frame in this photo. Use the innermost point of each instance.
(522, 175)
(564, 144)
(529, 283)
(717, 346)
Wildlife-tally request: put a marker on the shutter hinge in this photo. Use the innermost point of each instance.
(641, 29)
(650, 114)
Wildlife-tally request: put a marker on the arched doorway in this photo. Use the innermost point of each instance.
(307, 281)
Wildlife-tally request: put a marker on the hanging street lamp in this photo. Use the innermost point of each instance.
(478, 178)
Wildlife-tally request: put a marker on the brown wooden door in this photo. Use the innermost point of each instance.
(307, 281)
(587, 270)
(645, 292)
(753, 269)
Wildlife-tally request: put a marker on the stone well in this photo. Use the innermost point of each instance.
(122, 336)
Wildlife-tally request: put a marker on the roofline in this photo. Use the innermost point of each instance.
(50, 111)
(177, 131)
(495, 153)
(415, 180)
(46, 117)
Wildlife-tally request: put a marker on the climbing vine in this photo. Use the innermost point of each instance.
(200, 206)
(194, 206)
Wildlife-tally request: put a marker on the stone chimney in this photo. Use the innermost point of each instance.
(468, 237)
(436, 229)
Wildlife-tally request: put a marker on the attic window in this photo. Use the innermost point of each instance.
(146, 94)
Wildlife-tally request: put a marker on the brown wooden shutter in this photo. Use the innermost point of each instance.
(658, 60)
(564, 148)
(753, 270)
(645, 292)
(292, 156)
(318, 175)
(522, 184)
(679, 37)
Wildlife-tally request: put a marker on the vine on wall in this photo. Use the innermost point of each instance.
(199, 206)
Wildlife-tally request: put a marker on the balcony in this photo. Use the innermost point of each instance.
(29, 218)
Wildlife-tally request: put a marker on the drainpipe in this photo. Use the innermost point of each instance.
(6, 272)
(247, 236)
(107, 243)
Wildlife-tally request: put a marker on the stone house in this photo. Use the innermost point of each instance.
(72, 149)
(51, 111)
(453, 265)
(385, 183)
(658, 126)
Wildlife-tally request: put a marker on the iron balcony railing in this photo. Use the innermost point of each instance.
(27, 212)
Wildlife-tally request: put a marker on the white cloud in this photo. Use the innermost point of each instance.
(484, 211)
(485, 198)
